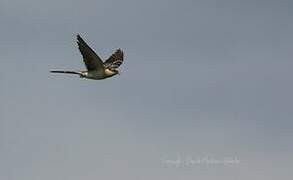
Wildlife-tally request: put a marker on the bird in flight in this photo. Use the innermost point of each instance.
(96, 68)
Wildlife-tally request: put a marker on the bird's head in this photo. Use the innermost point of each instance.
(116, 71)
(111, 72)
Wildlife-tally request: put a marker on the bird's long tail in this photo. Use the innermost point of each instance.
(66, 72)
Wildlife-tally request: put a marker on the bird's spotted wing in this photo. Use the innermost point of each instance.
(91, 59)
(115, 60)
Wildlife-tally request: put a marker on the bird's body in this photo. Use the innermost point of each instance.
(96, 68)
(97, 75)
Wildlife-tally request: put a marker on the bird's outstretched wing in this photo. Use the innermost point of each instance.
(115, 60)
(91, 59)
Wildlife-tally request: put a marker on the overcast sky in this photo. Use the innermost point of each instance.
(202, 81)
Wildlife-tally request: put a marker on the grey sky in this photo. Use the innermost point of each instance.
(201, 79)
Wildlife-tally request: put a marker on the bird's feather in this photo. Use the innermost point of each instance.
(115, 60)
(91, 59)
